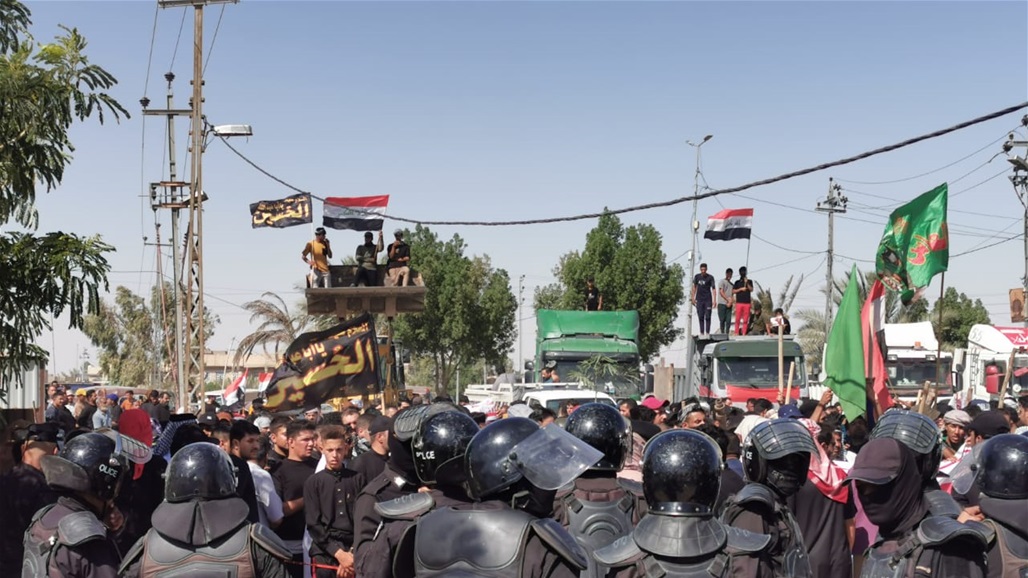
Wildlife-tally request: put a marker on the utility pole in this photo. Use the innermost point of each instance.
(169, 195)
(835, 202)
(695, 226)
(1020, 181)
(520, 365)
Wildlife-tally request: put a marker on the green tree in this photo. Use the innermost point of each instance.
(124, 335)
(630, 268)
(162, 304)
(959, 313)
(44, 90)
(469, 308)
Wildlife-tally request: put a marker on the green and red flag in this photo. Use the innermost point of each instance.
(844, 353)
(915, 244)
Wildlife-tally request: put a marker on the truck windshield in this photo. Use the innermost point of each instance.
(916, 372)
(756, 371)
(621, 384)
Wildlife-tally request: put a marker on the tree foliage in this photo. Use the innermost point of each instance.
(277, 327)
(469, 308)
(631, 270)
(124, 334)
(44, 90)
(959, 313)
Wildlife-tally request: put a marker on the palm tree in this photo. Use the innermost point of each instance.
(277, 325)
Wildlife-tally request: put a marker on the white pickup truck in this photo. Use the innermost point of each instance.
(548, 395)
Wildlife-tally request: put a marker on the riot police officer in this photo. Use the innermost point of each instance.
(599, 508)
(680, 537)
(511, 461)
(201, 528)
(919, 433)
(69, 538)
(438, 447)
(910, 540)
(775, 458)
(1003, 480)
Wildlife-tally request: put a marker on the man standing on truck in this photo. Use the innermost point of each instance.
(316, 254)
(703, 298)
(725, 300)
(367, 260)
(742, 290)
(593, 297)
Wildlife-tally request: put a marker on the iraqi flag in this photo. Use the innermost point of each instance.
(235, 391)
(263, 379)
(729, 224)
(356, 213)
(873, 322)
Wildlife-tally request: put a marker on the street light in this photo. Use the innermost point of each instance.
(695, 226)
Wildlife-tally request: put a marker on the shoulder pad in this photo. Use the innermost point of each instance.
(746, 542)
(557, 538)
(942, 504)
(268, 540)
(940, 529)
(134, 553)
(631, 486)
(407, 507)
(79, 528)
(620, 552)
(755, 493)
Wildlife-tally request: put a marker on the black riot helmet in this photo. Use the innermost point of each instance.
(1003, 467)
(777, 453)
(603, 427)
(90, 463)
(916, 431)
(200, 470)
(439, 446)
(487, 462)
(681, 473)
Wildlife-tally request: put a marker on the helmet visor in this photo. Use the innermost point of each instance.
(963, 474)
(551, 457)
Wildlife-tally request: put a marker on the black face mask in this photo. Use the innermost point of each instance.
(786, 475)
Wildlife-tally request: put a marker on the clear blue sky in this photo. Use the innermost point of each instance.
(507, 110)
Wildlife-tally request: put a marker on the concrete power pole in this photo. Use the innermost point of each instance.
(834, 203)
(1020, 181)
(520, 365)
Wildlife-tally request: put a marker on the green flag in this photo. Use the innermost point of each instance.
(844, 353)
(915, 244)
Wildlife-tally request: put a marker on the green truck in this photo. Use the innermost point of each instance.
(571, 337)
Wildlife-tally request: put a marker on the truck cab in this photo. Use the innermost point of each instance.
(569, 338)
(745, 367)
(983, 365)
(912, 357)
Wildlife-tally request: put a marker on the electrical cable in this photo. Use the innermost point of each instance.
(214, 39)
(675, 201)
(174, 53)
(976, 249)
(931, 172)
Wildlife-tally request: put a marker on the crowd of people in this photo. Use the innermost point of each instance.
(645, 488)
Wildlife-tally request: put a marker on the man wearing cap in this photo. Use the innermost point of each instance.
(658, 406)
(367, 260)
(23, 492)
(910, 540)
(316, 254)
(372, 463)
(955, 422)
(399, 261)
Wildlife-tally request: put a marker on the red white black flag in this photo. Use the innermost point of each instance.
(357, 213)
(235, 392)
(729, 224)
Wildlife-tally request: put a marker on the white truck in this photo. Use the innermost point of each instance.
(912, 357)
(982, 366)
(548, 395)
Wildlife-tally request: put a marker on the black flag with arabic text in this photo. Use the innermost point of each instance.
(341, 361)
(281, 213)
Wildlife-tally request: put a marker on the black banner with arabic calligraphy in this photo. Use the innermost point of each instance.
(341, 361)
(287, 212)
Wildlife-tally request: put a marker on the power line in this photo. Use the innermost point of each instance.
(213, 39)
(181, 25)
(989, 246)
(931, 172)
(679, 200)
